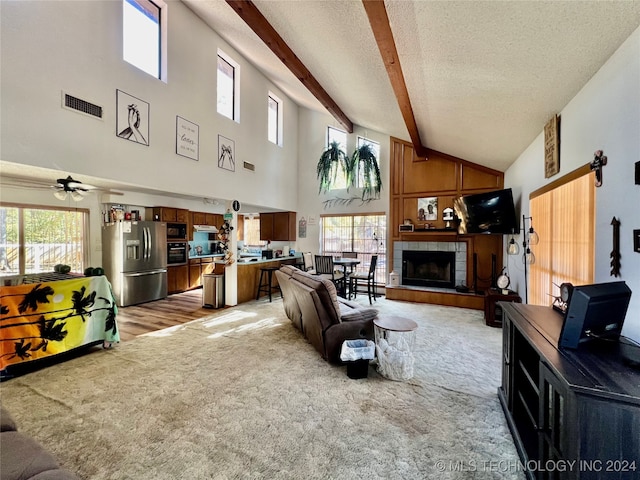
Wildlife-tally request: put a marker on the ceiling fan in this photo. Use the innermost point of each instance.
(76, 189)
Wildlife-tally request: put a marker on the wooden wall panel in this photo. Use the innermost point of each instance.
(396, 167)
(431, 175)
(447, 178)
(474, 178)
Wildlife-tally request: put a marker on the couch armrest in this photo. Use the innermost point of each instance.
(7, 423)
(335, 335)
(359, 314)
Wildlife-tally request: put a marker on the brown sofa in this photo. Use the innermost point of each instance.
(23, 458)
(326, 320)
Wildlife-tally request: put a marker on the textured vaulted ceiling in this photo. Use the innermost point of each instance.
(483, 76)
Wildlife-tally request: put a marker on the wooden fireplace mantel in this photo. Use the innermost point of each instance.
(437, 297)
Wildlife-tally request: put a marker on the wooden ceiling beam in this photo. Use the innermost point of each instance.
(247, 10)
(379, 21)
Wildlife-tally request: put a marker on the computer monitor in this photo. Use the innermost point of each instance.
(595, 312)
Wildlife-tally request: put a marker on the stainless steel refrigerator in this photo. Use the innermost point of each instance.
(134, 257)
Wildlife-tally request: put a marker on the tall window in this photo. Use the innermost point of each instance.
(376, 149)
(228, 87)
(141, 34)
(364, 234)
(275, 119)
(335, 135)
(564, 218)
(34, 239)
(251, 230)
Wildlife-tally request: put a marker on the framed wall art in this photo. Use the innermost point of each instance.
(428, 208)
(226, 153)
(187, 138)
(132, 118)
(552, 147)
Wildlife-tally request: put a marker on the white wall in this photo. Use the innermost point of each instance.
(76, 46)
(312, 142)
(604, 115)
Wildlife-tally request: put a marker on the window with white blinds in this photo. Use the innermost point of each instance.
(564, 218)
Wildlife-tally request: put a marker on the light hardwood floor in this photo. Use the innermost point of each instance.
(148, 317)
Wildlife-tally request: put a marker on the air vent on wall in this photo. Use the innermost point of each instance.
(249, 166)
(81, 106)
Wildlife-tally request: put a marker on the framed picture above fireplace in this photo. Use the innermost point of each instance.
(428, 208)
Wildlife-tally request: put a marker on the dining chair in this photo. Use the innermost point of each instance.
(359, 279)
(307, 258)
(350, 255)
(326, 269)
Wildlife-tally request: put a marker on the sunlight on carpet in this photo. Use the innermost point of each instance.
(260, 403)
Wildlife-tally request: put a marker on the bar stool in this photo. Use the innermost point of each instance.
(267, 287)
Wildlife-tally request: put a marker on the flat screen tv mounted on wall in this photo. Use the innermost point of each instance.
(487, 212)
(595, 312)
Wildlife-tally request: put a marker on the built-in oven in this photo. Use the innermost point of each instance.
(176, 231)
(176, 253)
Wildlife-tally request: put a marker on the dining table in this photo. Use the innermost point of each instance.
(350, 263)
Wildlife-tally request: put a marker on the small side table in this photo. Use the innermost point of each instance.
(493, 311)
(395, 338)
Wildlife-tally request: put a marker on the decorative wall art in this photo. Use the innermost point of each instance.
(428, 208)
(132, 118)
(552, 147)
(187, 138)
(226, 153)
(302, 228)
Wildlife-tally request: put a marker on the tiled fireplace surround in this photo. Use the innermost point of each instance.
(460, 249)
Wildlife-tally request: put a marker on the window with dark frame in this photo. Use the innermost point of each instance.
(141, 32)
(340, 136)
(375, 146)
(275, 122)
(226, 88)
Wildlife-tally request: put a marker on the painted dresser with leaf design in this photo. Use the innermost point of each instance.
(40, 322)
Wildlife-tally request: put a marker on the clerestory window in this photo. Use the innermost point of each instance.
(144, 35)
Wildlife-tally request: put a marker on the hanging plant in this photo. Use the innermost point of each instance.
(332, 160)
(363, 164)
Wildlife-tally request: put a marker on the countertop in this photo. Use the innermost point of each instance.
(248, 260)
(259, 260)
(212, 255)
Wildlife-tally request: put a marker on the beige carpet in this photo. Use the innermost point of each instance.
(241, 394)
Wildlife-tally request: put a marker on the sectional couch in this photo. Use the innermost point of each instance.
(22, 458)
(325, 320)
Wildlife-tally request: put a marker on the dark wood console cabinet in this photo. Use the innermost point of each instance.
(492, 308)
(573, 414)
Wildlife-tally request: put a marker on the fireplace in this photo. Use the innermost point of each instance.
(426, 268)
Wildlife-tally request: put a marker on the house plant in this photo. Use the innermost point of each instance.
(332, 160)
(363, 165)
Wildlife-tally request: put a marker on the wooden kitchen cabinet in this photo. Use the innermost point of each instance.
(203, 218)
(215, 219)
(278, 226)
(197, 268)
(194, 273)
(168, 214)
(198, 218)
(177, 278)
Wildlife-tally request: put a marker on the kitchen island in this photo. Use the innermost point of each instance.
(249, 273)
